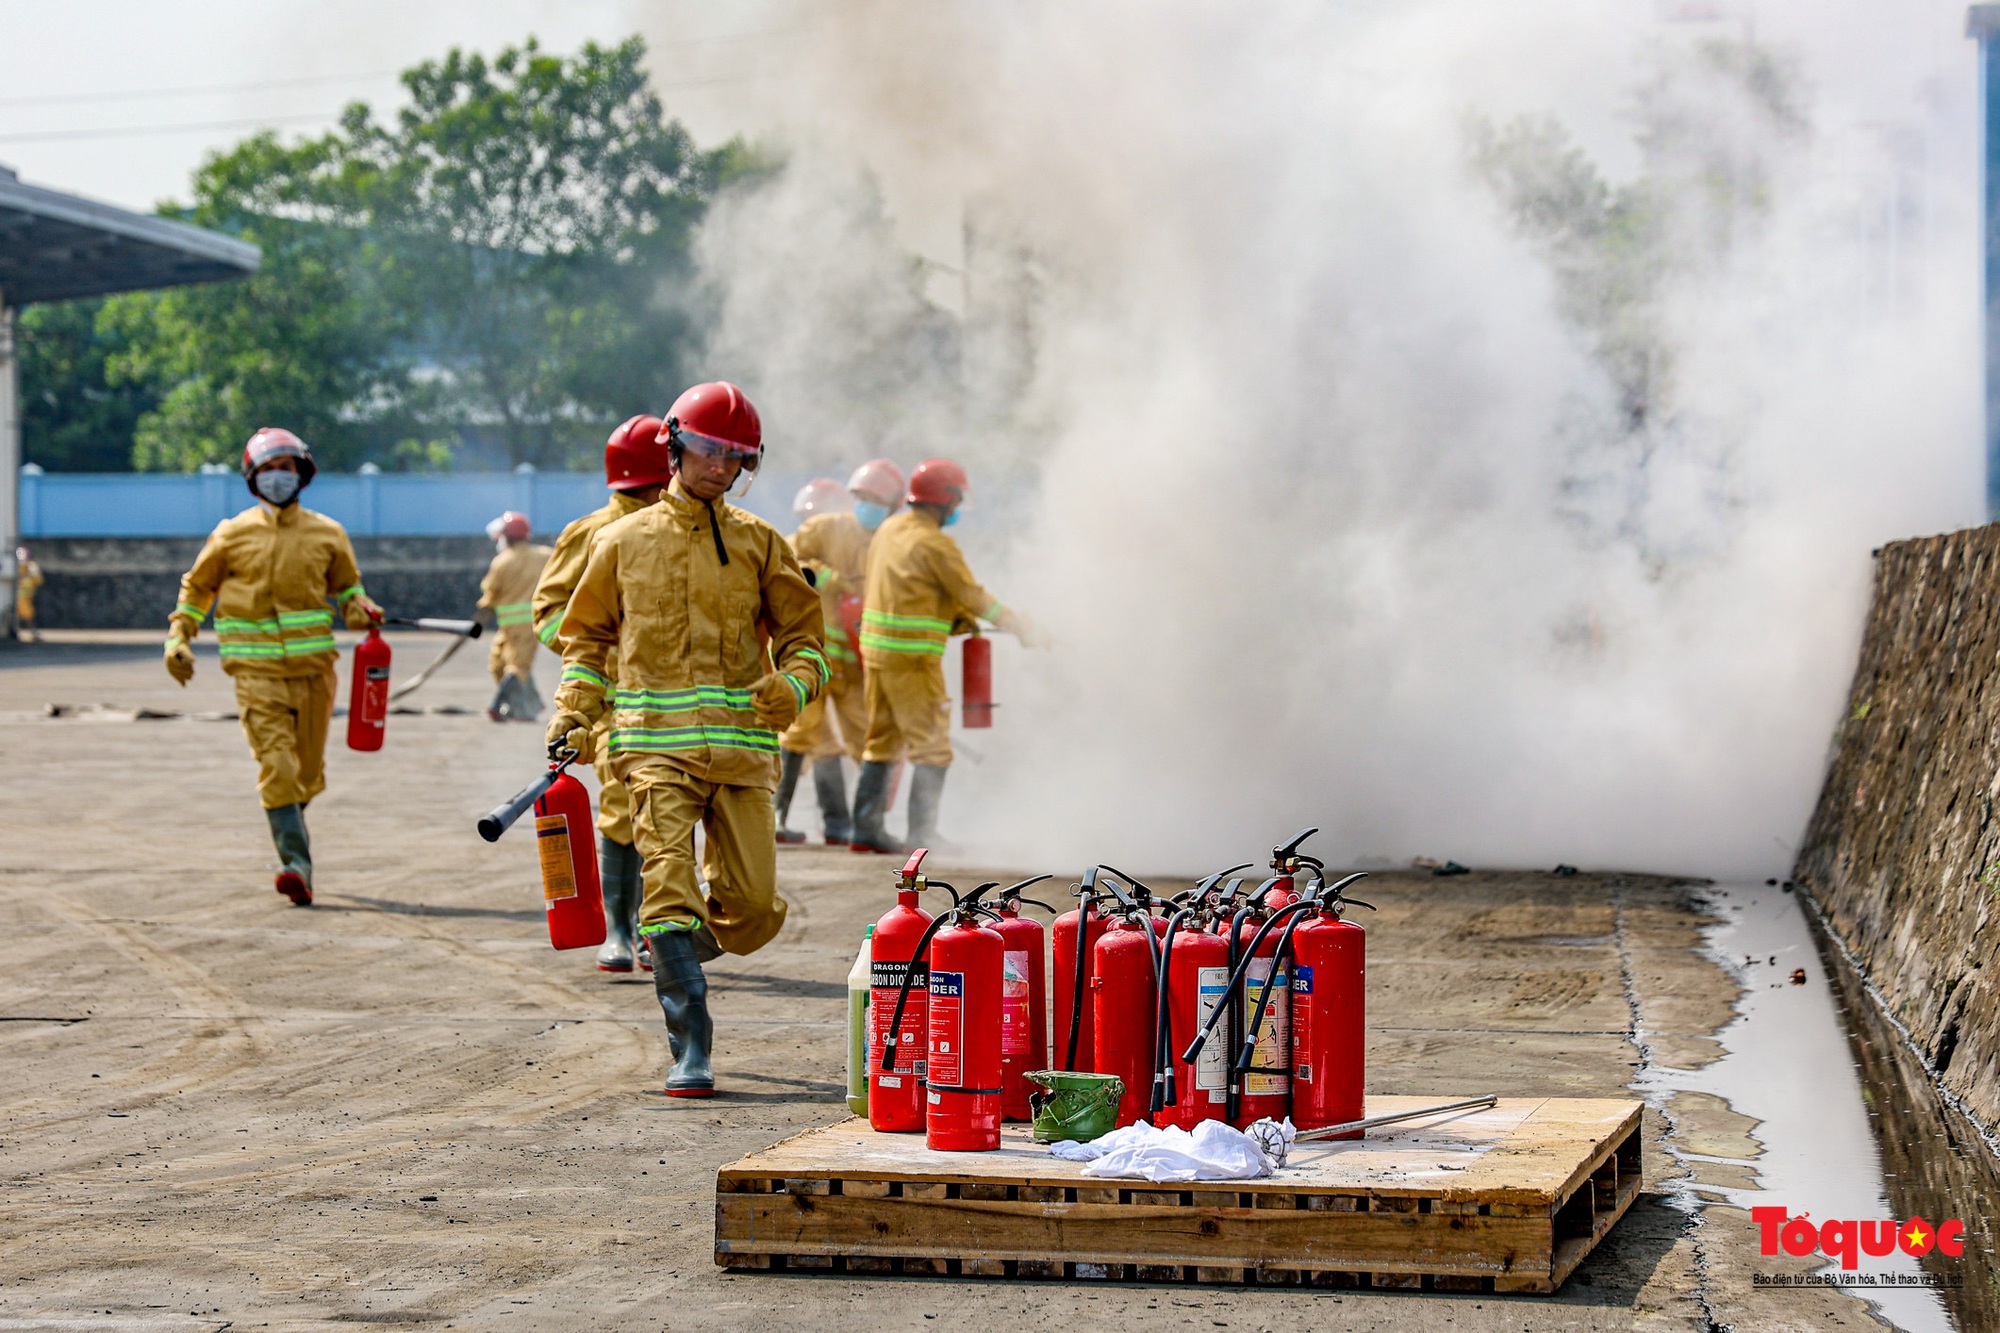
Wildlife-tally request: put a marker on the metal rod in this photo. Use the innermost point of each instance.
(1335, 1131)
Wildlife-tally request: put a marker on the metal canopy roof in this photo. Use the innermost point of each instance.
(56, 247)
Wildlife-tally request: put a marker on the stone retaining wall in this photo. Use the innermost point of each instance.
(131, 582)
(1903, 852)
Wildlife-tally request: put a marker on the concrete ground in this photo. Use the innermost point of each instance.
(401, 1108)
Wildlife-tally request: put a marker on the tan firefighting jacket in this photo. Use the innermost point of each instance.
(835, 548)
(683, 627)
(268, 573)
(920, 592)
(510, 582)
(565, 567)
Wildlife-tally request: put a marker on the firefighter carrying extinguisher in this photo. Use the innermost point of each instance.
(637, 467)
(680, 596)
(508, 591)
(919, 593)
(832, 543)
(268, 574)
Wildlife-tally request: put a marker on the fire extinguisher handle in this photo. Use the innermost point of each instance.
(1286, 850)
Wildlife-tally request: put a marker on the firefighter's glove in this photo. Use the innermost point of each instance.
(361, 612)
(180, 659)
(776, 700)
(570, 731)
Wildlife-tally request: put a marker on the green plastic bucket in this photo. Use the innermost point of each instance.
(1076, 1106)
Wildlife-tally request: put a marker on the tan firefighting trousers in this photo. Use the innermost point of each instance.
(834, 724)
(909, 709)
(286, 719)
(614, 803)
(743, 908)
(513, 652)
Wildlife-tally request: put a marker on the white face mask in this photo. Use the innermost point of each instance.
(277, 485)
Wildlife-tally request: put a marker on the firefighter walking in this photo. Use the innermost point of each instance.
(919, 593)
(832, 543)
(27, 582)
(670, 622)
(508, 591)
(637, 467)
(269, 574)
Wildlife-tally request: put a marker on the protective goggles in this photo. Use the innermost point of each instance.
(709, 447)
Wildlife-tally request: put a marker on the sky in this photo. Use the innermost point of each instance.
(120, 100)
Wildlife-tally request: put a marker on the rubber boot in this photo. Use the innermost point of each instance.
(530, 700)
(683, 992)
(781, 804)
(288, 834)
(497, 710)
(926, 790)
(618, 867)
(871, 805)
(830, 781)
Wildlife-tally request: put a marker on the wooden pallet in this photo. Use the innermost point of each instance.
(1504, 1200)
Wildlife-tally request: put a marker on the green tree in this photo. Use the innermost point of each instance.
(497, 271)
(72, 418)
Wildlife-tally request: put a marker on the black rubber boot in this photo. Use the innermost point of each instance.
(683, 992)
(830, 782)
(288, 834)
(926, 790)
(618, 867)
(528, 700)
(871, 805)
(789, 765)
(496, 711)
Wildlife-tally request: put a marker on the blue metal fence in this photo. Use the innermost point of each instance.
(367, 504)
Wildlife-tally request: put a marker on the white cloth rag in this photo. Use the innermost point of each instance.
(1214, 1151)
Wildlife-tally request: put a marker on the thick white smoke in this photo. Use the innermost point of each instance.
(1323, 460)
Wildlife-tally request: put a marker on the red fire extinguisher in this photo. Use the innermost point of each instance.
(368, 694)
(1024, 1026)
(1329, 972)
(567, 839)
(898, 998)
(962, 1080)
(849, 609)
(1073, 938)
(976, 694)
(1125, 989)
(1197, 985)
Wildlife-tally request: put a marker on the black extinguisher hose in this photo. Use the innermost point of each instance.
(1264, 996)
(910, 974)
(1242, 966)
(1165, 1093)
(1076, 977)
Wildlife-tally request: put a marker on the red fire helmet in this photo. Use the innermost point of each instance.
(879, 480)
(716, 417)
(513, 525)
(635, 456)
(938, 481)
(821, 495)
(276, 442)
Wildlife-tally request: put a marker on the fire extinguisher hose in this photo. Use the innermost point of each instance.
(501, 818)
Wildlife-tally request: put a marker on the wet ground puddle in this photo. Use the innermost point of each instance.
(1788, 1066)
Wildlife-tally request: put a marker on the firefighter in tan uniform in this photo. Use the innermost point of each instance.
(508, 591)
(832, 544)
(268, 574)
(695, 601)
(919, 593)
(637, 467)
(28, 581)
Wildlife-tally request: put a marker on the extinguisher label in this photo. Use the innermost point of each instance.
(1014, 1015)
(885, 980)
(378, 673)
(1212, 1067)
(1302, 979)
(1274, 1037)
(947, 1028)
(552, 836)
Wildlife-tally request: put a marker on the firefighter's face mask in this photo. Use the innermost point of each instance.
(870, 513)
(278, 485)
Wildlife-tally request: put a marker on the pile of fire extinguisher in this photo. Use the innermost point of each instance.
(1212, 1004)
